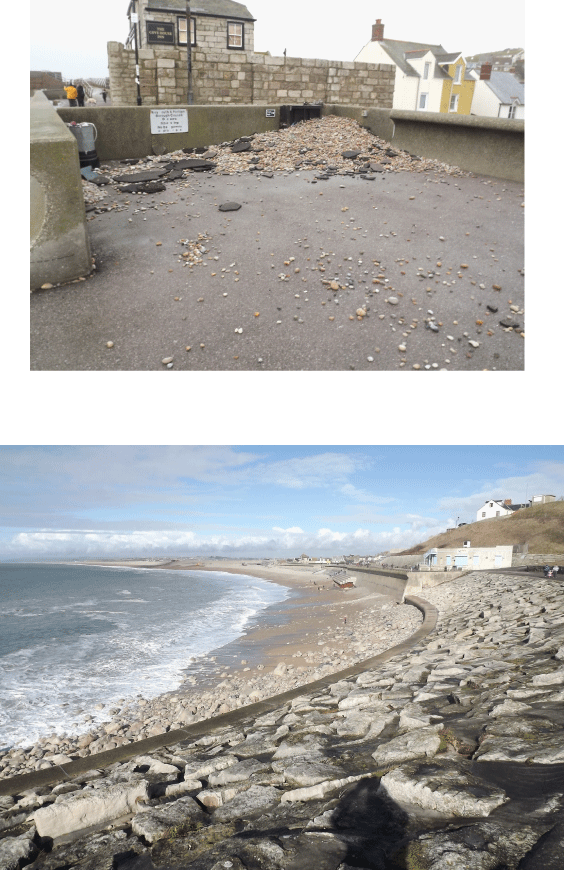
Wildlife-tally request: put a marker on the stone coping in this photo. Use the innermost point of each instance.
(61, 773)
(507, 125)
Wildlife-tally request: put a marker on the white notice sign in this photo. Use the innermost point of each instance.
(169, 120)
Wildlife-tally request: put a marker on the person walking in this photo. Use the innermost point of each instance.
(72, 94)
(104, 95)
(80, 95)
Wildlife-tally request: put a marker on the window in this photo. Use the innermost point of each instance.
(483, 513)
(512, 111)
(453, 103)
(458, 74)
(497, 513)
(235, 35)
(423, 101)
(426, 71)
(182, 31)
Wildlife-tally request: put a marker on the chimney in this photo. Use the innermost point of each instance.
(378, 31)
(507, 501)
(485, 72)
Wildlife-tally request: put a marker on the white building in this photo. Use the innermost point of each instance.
(542, 499)
(475, 558)
(491, 509)
(497, 94)
(419, 76)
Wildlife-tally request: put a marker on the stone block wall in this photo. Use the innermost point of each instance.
(211, 32)
(244, 77)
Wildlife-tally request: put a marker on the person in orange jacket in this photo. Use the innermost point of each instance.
(72, 94)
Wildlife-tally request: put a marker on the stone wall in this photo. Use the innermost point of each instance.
(244, 77)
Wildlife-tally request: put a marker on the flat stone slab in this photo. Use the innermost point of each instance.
(147, 187)
(189, 163)
(444, 788)
(154, 824)
(148, 175)
(230, 206)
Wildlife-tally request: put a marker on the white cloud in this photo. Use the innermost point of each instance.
(546, 478)
(60, 543)
(361, 495)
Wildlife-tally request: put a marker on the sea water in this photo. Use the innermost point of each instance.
(73, 637)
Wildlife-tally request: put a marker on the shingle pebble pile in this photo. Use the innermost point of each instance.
(324, 147)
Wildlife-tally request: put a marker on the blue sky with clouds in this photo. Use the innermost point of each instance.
(252, 501)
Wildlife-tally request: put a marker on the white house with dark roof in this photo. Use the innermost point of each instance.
(216, 25)
(492, 509)
(419, 69)
(497, 94)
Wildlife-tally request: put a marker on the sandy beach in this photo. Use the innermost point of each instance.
(319, 629)
(318, 622)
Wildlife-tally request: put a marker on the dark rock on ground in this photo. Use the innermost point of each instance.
(135, 177)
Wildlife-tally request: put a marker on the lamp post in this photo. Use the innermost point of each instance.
(134, 20)
(189, 44)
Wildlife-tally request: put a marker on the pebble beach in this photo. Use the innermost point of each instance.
(319, 630)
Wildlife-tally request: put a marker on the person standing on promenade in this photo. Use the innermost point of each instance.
(80, 95)
(72, 94)
(104, 95)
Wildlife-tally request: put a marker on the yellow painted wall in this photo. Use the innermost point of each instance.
(465, 90)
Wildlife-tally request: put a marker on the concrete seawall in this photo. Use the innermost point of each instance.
(486, 146)
(125, 132)
(60, 249)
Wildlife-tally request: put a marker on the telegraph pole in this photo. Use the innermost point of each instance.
(134, 21)
(189, 42)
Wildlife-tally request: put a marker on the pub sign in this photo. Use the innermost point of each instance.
(160, 32)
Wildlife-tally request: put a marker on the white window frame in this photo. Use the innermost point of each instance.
(458, 74)
(426, 70)
(232, 33)
(182, 30)
(453, 108)
(423, 101)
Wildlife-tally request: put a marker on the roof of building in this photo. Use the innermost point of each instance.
(508, 507)
(221, 8)
(450, 58)
(507, 87)
(402, 52)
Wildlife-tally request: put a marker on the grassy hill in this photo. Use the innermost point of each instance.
(541, 527)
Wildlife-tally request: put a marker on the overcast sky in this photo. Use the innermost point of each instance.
(253, 501)
(71, 38)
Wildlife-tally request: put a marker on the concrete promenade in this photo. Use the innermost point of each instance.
(447, 249)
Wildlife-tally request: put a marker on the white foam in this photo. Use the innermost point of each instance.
(144, 649)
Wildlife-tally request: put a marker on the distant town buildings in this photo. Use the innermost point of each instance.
(430, 79)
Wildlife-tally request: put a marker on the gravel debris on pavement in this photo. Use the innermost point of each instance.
(316, 146)
(322, 149)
